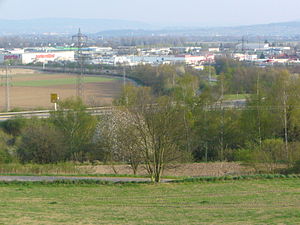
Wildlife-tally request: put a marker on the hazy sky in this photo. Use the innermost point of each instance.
(165, 12)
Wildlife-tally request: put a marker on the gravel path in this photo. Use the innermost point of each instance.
(53, 178)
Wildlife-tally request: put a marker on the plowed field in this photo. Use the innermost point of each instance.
(31, 89)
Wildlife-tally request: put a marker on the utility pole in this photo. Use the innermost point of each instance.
(222, 118)
(209, 72)
(124, 76)
(258, 105)
(80, 41)
(285, 121)
(124, 85)
(206, 132)
(243, 44)
(7, 83)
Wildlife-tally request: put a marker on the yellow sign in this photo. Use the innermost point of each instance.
(53, 98)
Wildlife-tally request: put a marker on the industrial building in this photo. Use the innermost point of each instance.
(35, 57)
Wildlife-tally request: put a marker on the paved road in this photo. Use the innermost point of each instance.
(46, 113)
(53, 178)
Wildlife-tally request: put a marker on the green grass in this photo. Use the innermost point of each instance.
(60, 81)
(227, 202)
(31, 75)
(236, 96)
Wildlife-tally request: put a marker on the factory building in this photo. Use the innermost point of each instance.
(38, 57)
(44, 57)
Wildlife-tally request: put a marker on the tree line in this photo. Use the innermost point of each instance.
(178, 117)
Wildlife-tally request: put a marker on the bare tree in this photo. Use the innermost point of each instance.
(146, 131)
(158, 124)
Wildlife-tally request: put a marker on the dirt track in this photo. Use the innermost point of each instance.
(191, 169)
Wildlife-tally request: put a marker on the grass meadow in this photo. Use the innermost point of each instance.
(274, 201)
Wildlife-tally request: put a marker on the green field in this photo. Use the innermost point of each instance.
(236, 97)
(228, 202)
(60, 81)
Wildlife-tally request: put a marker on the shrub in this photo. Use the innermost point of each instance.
(42, 143)
(244, 155)
(273, 150)
(5, 139)
(294, 151)
(295, 168)
(14, 126)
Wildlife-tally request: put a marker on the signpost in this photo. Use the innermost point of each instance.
(53, 99)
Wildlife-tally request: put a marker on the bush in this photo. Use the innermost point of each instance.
(5, 139)
(244, 155)
(14, 126)
(5, 157)
(294, 169)
(294, 152)
(41, 143)
(273, 151)
(264, 158)
(267, 157)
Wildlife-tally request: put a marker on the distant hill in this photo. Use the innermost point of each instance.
(109, 27)
(273, 29)
(67, 26)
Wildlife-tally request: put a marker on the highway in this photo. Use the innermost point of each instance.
(96, 111)
(46, 113)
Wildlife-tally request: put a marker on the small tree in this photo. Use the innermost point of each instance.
(271, 152)
(116, 137)
(161, 126)
(76, 126)
(5, 140)
(157, 124)
(42, 143)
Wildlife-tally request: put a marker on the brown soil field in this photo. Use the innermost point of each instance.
(30, 97)
(190, 169)
(17, 71)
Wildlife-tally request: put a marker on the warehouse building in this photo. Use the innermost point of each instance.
(38, 57)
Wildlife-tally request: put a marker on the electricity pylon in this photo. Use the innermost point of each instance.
(80, 42)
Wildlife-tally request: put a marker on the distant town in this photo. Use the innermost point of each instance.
(261, 53)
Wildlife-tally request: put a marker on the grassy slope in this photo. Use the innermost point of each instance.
(61, 81)
(230, 202)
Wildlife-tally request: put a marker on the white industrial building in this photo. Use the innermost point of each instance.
(42, 57)
(245, 57)
(253, 46)
(45, 57)
(133, 60)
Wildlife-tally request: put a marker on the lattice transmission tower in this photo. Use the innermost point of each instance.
(80, 41)
(6, 81)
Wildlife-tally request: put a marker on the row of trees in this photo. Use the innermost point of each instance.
(144, 133)
(214, 132)
(66, 135)
(183, 118)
